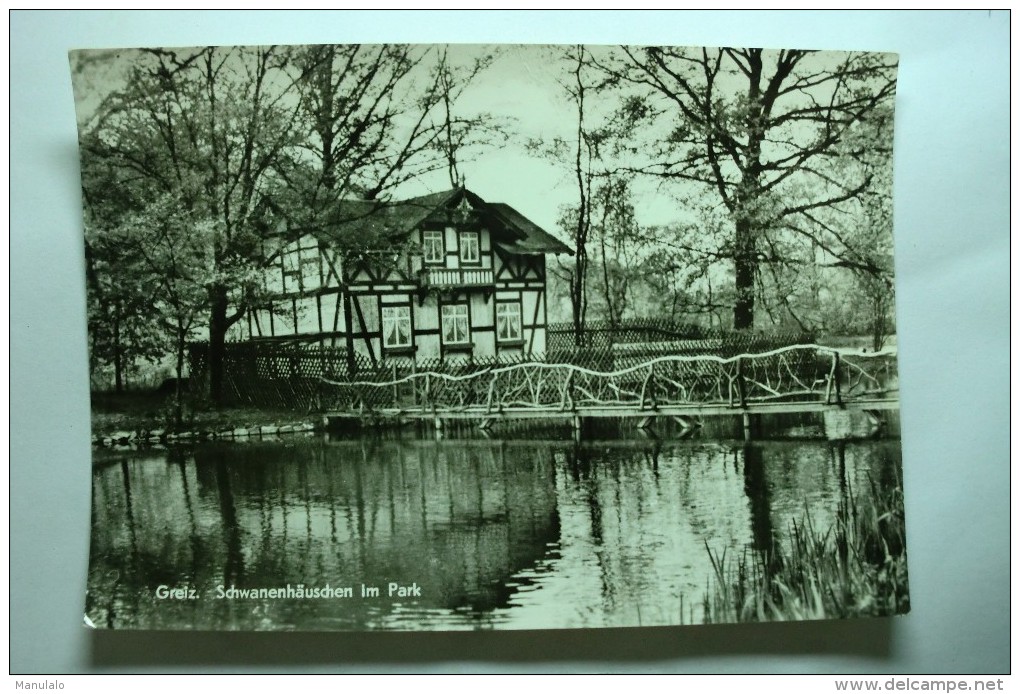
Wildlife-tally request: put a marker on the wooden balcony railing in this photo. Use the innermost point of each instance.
(443, 277)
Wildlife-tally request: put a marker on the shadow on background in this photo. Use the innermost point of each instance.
(515, 650)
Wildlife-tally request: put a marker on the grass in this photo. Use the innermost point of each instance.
(857, 567)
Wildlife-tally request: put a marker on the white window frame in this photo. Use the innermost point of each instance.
(476, 245)
(458, 316)
(392, 318)
(511, 311)
(429, 239)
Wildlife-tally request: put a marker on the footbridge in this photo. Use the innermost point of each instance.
(798, 378)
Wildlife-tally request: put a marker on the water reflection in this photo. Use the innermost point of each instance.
(514, 534)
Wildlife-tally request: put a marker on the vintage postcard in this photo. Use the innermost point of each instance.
(425, 337)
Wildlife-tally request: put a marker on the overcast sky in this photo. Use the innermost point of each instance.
(521, 86)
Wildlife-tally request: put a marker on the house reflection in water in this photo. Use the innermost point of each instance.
(512, 534)
(457, 523)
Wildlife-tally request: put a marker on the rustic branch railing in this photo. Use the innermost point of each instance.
(797, 373)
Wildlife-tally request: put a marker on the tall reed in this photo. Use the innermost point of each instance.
(856, 567)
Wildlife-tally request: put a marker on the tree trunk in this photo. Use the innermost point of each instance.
(324, 118)
(118, 358)
(879, 328)
(745, 268)
(178, 405)
(578, 289)
(578, 298)
(352, 363)
(605, 277)
(217, 341)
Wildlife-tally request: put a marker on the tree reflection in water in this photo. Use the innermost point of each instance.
(519, 533)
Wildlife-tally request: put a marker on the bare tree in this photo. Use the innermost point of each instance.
(377, 117)
(581, 155)
(755, 128)
(621, 245)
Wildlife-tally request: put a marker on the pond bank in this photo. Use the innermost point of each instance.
(147, 417)
(155, 436)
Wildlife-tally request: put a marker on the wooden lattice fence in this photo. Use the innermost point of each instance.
(311, 378)
(271, 375)
(651, 337)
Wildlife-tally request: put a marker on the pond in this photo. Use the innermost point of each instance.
(408, 532)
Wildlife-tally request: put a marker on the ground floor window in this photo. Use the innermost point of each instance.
(455, 324)
(396, 326)
(508, 321)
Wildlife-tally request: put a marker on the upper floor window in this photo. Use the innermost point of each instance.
(396, 326)
(469, 247)
(432, 241)
(455, 324)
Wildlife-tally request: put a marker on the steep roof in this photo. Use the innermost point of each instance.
(511, 230)
(529, 238)
(386, 219)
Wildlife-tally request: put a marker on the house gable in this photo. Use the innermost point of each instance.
(484, 262)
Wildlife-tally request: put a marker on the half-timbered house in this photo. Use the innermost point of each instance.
(452, 277)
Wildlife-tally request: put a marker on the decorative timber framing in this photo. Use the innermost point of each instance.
(446, 260)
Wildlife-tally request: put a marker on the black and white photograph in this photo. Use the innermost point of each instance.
(394, 337)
